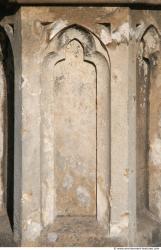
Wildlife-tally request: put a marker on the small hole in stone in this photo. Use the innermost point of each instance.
(45, 23)
(137, 25)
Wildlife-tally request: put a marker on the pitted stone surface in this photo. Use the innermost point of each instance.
(75, 133)
(87, 124)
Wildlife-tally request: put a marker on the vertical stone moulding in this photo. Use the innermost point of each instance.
(75, 132)
(148, 125)
(6, 124)
(2, 121)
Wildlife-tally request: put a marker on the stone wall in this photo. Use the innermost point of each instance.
(86, 119)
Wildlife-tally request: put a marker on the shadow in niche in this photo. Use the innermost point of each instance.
(148, 64)
(8, 66)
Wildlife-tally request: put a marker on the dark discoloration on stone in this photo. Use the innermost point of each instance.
(130, 2)
(6, 234)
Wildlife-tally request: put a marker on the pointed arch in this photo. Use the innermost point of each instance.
(94, 53)
(148, 109)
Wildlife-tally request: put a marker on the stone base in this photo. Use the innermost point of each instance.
(149, 231)
(79, 232)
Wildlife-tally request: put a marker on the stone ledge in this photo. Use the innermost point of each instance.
(128, 2)
(77, 232)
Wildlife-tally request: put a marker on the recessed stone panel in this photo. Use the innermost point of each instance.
(75, 133)
(75, 127)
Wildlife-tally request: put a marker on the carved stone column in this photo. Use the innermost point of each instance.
(87, 144)
(76, 102)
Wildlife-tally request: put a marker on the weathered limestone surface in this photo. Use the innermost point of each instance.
(68, 167)
(87, 125)
(72, 131)
(148, 106)
(75, 93)
(82, 150)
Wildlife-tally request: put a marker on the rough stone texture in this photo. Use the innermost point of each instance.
(87, 126)
(70, 128)
(75, 135)
(148, 104)
(63, 234)
(69, 143)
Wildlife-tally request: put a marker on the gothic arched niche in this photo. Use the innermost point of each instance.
(149, 123)
(6, 124)
(75, 128)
